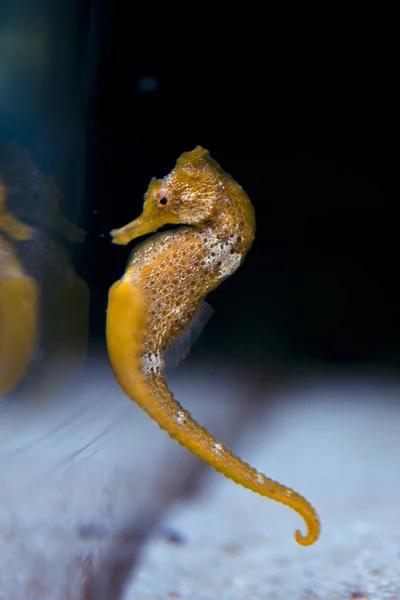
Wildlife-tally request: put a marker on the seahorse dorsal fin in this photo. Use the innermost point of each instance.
(179, 350)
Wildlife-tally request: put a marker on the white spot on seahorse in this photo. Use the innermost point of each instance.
(180, 417)
(152, 363)
(230, 264)
(218, 447)
(260, 478)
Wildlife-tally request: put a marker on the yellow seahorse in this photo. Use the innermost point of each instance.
(158, 306)
(54, 300)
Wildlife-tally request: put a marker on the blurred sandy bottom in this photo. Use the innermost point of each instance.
(97, 503)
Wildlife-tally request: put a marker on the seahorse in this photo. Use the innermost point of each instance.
(44, 305)
(158, 307)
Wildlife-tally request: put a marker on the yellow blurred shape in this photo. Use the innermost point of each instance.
(19, 300)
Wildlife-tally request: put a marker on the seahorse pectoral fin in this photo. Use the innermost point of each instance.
(179, 350)
(19, 299)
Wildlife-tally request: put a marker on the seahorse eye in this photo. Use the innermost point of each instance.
(164, 201)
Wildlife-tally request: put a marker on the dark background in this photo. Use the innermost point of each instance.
(299, 108)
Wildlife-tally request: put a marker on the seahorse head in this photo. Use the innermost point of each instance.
(189, 195)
